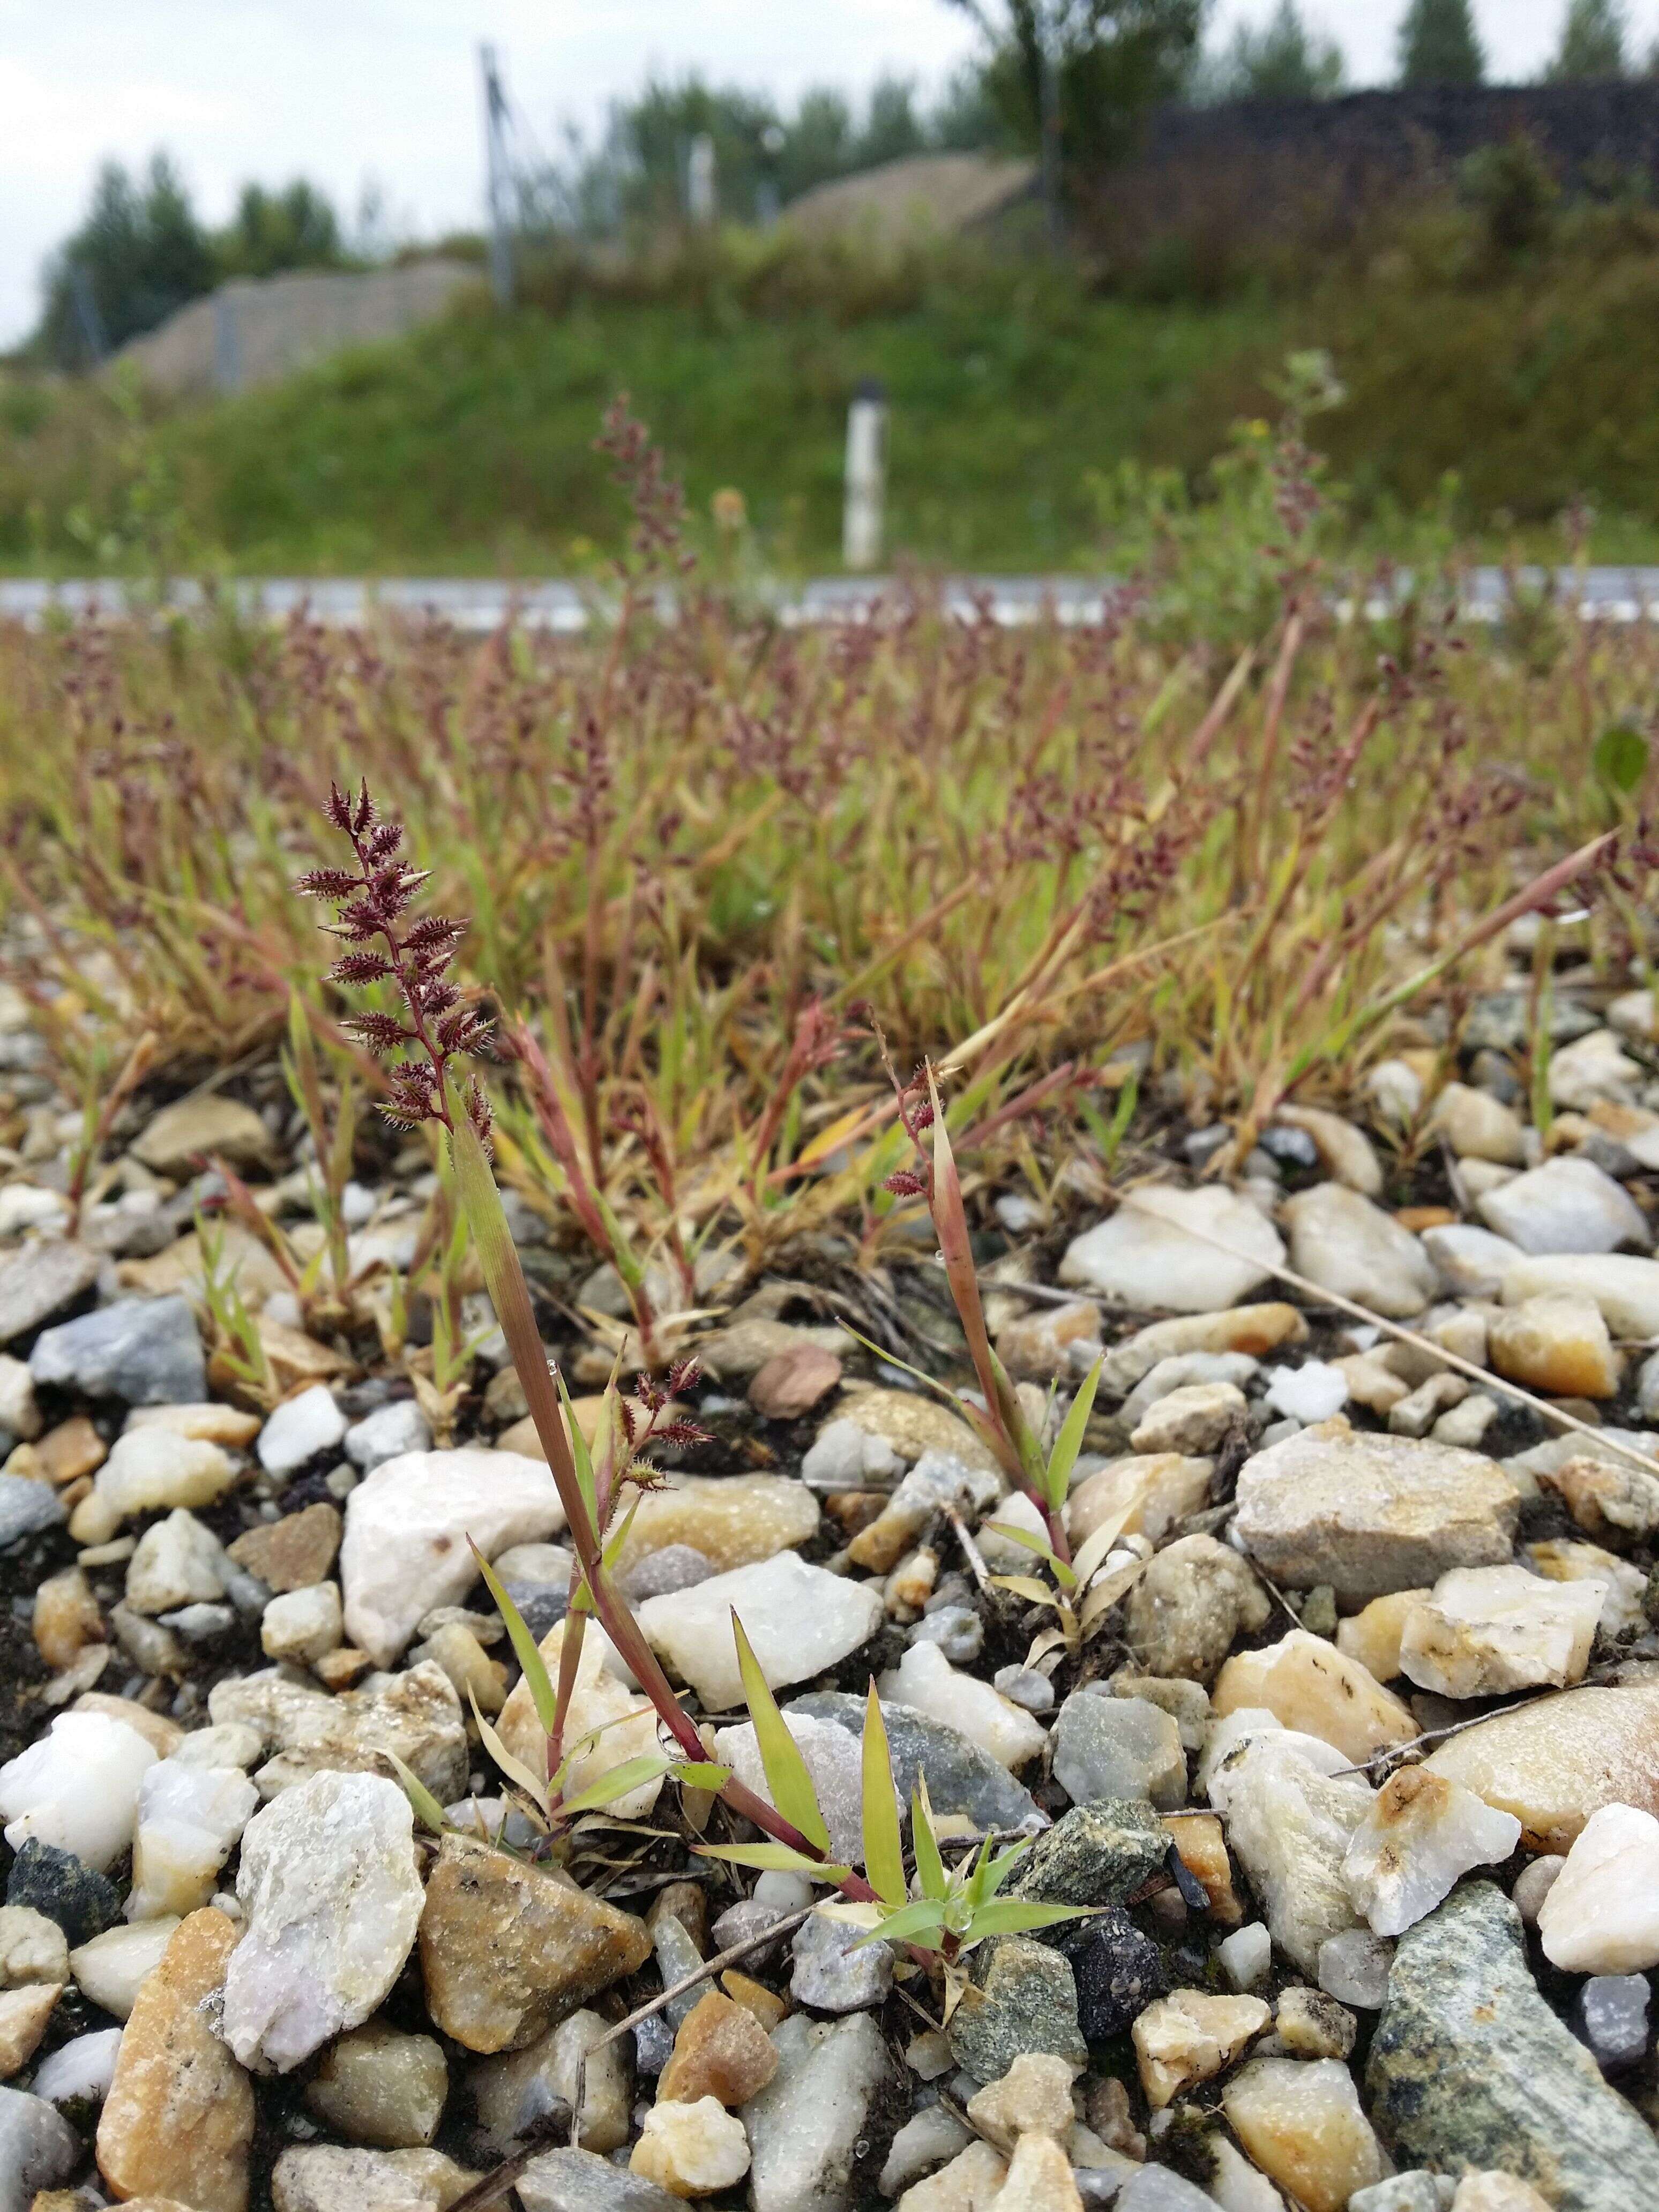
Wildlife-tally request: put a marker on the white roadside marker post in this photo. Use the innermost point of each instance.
(866, 476)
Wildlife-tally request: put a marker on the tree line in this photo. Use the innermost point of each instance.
(1084, 70)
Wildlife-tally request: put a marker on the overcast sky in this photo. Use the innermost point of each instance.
(348, 90)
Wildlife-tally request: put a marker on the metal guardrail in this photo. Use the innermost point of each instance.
(1603, 594)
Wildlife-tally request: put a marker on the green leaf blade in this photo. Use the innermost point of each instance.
(883, 1850)
(1057, 1476)
(786, 1776)
(524, 1646)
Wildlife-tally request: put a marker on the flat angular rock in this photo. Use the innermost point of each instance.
(1291, 1826)
(178, 1563)
(508, 1949)
(416, 1714)
(834, 1971)
(721, 2051)
(1302, 2124)
(1144, 1495)
(332, 1897)
(147, 1352)
(1118, 1972)
(800, 1620)
(818, 2131)
(39, 1281)
(1470, 2070)
(910, 1425)
(178, 2118)
(1117, 1747)
(189, 1821)
(1343, 1242)
(1420, 1837)
(1624, 1286)
(520, 2091)
(961, 1777)
(1479, 1126)
(1554, 1762)
(381, 2088)
(299, 1429)
(323, 2178)
(1189, 2037)
(209, 1124)
(580, 2181)
(733, 1520)
(1558, 1344)
(1311, 1685)
(1368, 1513)
(1251, 1330)
(1482, 1631)
(1143, 1258)
(1566, 1206)
(388, 1432)
(294, 1553)
(407, 1525)
(60, 1887)
(1098, 1854)
(1023, 1998)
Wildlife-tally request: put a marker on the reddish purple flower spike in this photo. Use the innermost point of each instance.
(438, 1023)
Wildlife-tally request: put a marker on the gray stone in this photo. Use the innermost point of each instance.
(1026, 1686)
(1158, 2189)
(38, 2148)
(1416, 2191)
(1613, 2017)
(957, 1629)
(1023, 1998)
(1109, 1748)
(582, 2181)
(836, 1971)
(386, 1433)
(674, 1567)
(146, 1352)
(416, 1714)
(1566, 1206)
(677, 1957)
(818, 2131)
(1469, 2068)
(39, 1281)
(27, 1507)
(1098, 1854)
(834, 1760)
(1368, 1513)
(961, 1777)
(82, 1901)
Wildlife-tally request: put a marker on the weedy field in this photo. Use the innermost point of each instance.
(1221, 844)
(725, 1035)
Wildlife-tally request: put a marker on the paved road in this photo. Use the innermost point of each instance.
(1601, 594)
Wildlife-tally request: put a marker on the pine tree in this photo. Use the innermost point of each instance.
(1592, 42)
(1283, 60)
(1438, 45)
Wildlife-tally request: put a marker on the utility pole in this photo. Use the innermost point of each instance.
(1049, 125)
(498, 173)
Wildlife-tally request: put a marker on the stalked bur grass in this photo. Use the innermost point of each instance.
(419, 1045)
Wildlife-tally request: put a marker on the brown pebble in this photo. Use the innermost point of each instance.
(179, 2113)
(66, 1618)
(793, 1382)
(768, 2007)
(686, 1902)
(721, 2051)
(1417, 1219)
(339, 1669)
(73, 1448)
(855, 1508)
(294, 1553)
